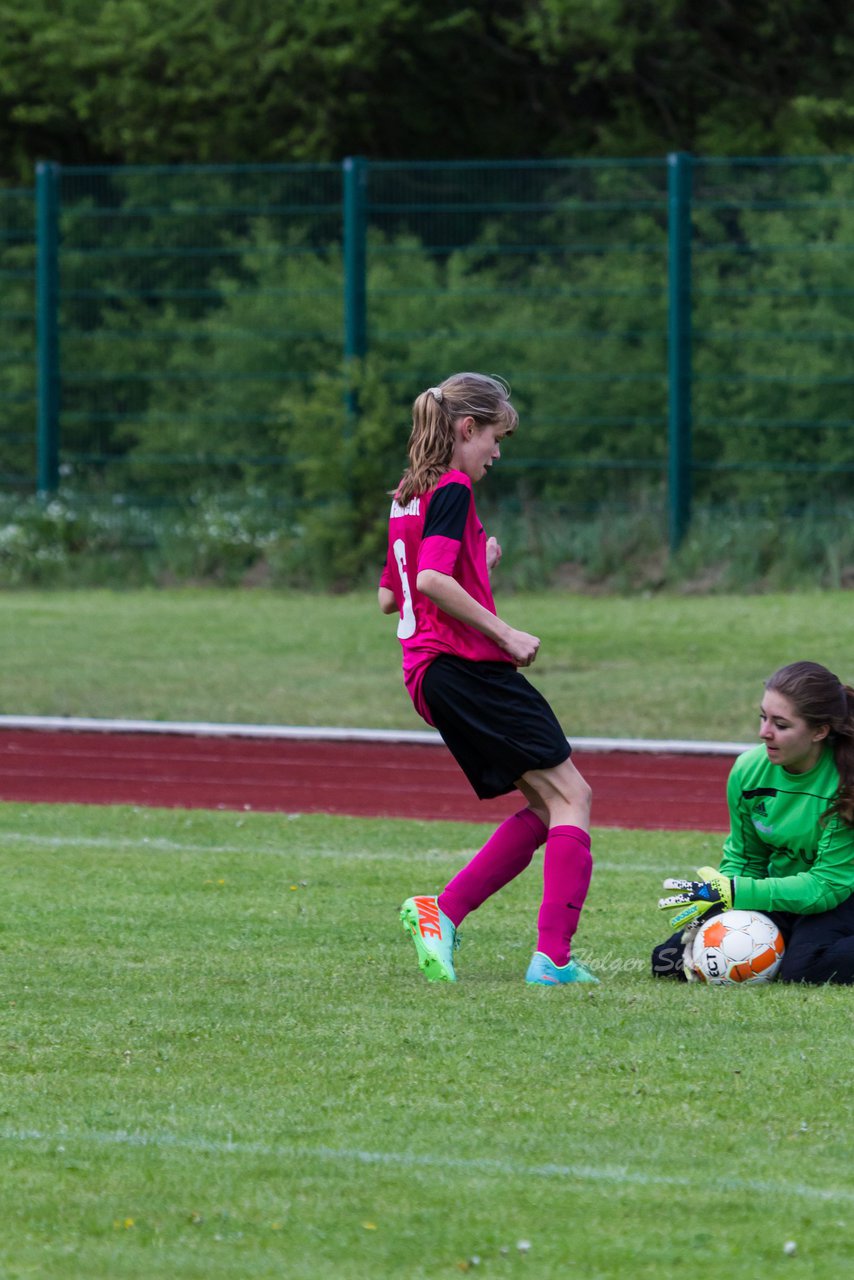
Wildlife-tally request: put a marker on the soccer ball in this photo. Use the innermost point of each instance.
(736, 946)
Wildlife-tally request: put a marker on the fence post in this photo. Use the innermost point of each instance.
(47, 326)
(355, 255)
(679, 184)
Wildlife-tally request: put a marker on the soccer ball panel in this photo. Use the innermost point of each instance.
(743, 947)
(739, 945)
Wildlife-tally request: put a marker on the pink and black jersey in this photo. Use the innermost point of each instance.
(438, 530)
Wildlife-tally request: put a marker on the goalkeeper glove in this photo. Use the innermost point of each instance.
(698, 897)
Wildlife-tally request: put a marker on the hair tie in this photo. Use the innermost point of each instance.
(437, 394)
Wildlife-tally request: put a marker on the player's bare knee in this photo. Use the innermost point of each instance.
(584, 792)
(575, 790)
(582, 804)
(564, 792)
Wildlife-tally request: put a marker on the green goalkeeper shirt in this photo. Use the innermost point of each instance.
(779, 853)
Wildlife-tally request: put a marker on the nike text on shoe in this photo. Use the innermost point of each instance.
(434, 937)
(545, 973)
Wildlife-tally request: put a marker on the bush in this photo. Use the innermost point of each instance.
(213, 540)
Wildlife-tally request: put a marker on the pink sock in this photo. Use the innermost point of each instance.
(567, 867)
(507, 853)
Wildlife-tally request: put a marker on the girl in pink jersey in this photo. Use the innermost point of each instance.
(461, 668)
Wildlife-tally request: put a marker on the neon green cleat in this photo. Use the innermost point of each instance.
(545, 973)
(434, 937)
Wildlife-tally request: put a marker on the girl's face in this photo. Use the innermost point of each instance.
(476, 448)
(789, 740)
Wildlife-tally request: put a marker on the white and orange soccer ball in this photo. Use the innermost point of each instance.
(736, 947)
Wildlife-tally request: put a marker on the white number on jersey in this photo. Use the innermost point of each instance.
(407, 624)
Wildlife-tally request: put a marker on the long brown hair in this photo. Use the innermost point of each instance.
(431, 442)
(820, 698)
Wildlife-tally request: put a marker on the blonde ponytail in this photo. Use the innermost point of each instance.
(431, 441)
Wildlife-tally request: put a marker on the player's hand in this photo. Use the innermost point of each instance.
(687, 943)
(698, 897)
(522, 647)
(493, 554)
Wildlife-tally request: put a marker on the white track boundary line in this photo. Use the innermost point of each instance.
(159, 844)
(313, 733)
(616, 1175)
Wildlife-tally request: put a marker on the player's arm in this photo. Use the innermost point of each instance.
(452, 598)
(829, 881)
(444, 528)
(386, 600)
(745, 852)
(493, 554)
(821, 887)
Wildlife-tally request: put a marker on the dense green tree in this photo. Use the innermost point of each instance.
(736, 77)
(143, 81)
(178, 81)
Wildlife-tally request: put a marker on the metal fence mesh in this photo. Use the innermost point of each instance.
(554, 275)
(773, 327)
(189, 301)
(17, 340)
(212, 333)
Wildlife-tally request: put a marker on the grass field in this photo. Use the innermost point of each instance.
(661, 667)
(219, 1060)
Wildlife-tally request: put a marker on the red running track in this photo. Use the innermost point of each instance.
(365, 779)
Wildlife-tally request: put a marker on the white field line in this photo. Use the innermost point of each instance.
(616, 1175)
(310, 733)
(158, 844)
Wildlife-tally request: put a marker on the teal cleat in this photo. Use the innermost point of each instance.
(434, 937)
(545, 973)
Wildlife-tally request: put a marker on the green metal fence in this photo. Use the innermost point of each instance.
(773, 327)
(677, 327)
(189, 301)
(555, 275)
(17, 341)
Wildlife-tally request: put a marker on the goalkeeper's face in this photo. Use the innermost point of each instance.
(789, 739)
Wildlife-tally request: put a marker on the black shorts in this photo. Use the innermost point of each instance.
(495, 723)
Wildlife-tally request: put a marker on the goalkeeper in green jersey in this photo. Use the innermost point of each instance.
(790, 850)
